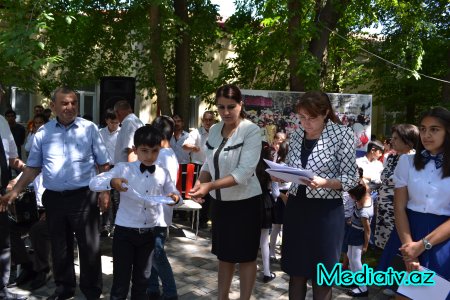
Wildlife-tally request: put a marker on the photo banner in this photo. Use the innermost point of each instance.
(274, 111)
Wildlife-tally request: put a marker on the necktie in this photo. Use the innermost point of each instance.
(150, 169)
(438, 159)
(3, 166)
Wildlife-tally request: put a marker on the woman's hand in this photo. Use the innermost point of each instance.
(316, 182)
(199, 191)
(412, 250)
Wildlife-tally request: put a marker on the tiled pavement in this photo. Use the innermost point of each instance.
(195, 270)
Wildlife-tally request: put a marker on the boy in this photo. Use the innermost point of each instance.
(109, 137)
(133, 240)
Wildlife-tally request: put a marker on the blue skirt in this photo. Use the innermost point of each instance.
(436, 259)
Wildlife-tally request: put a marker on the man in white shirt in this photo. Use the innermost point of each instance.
(130, 123)
(195, 144)
(177, 140)
(370, 164)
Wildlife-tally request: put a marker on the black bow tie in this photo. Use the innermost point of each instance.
(438, 159)
(150, 169)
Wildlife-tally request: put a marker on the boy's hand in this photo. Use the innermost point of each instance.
(116, 183)
(175, 198)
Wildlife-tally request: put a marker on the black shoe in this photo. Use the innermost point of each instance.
(358, 294)
(40, 280)
(267, 279)
(62, 296)
(25, 276)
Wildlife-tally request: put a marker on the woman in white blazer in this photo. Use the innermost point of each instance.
(232, 153)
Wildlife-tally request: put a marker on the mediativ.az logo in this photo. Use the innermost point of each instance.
(367, 276)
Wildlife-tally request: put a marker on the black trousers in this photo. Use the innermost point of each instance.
(5, 250)
(132, 259)
(40, 241)
(68, 213)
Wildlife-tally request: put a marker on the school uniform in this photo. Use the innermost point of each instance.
(428, 207)
(133, 240)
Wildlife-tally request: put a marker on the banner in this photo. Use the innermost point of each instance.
(274, 111)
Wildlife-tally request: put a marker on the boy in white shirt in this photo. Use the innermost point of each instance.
(138, 213)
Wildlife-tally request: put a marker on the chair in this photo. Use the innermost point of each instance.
(185, 182)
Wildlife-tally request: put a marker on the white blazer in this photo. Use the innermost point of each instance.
(238, 158)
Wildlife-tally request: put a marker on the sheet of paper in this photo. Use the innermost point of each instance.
(157, 199)
(439, 291)
(288, 177)
(279, 168)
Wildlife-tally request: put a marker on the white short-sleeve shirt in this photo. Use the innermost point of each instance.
(428, 192)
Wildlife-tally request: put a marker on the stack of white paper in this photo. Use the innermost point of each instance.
(288, 174)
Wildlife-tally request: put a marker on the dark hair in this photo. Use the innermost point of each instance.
(231, 91)
(40, 106)
(110, 114)
(210, 112)
(317, 103)
(282, 151)
(375, 144)
(443, 117)
(10, 112)
(408, 133)
(147, 135)
(177, 115)
(359, 191)
(40, 116)
(165, 125)
(62, 90)
(266, 153)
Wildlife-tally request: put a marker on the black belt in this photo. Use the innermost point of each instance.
(69, 192)
(138, 230)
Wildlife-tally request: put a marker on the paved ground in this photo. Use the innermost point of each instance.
(195, 270)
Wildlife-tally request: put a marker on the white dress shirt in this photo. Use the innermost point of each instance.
(428, 192)
(177, 147)
(133, 211)
(238, 158)
(168, 160)
(125, 138)
(198, 138)
(109, 139)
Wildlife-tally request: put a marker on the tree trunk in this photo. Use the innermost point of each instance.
(156, 55)
(326, 17)
(446, 86)
(182, 63)
(295, 81)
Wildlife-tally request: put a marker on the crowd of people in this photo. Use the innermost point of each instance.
(395, 200)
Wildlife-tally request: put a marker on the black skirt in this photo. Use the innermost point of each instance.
(236, 229)
(312, 234)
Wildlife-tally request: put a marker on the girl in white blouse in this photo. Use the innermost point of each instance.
(422, 197)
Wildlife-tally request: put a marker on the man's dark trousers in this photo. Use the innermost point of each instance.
(67, 213)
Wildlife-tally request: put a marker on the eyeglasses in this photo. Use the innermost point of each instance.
(208, 119)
